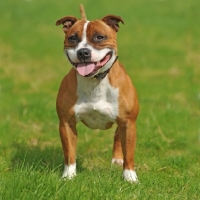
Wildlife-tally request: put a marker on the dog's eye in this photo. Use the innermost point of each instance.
(73, 38)
(99, 38)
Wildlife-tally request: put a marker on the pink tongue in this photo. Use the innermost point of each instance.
(85, 68)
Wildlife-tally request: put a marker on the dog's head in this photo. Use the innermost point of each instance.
(90, 46)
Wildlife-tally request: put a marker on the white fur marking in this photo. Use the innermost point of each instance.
(69, 171)
(130, 175)
(83, 43)
(97, 103)
(72, 52)
(117, 161)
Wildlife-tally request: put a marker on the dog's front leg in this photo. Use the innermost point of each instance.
(68, 135)
(127, 134)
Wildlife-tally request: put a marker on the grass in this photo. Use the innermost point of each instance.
(159, 46)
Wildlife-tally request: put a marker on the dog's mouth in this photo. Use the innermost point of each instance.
(90, 68)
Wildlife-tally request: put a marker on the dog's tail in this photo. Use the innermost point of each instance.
(82, 11)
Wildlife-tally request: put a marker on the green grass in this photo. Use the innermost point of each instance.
(159, 46)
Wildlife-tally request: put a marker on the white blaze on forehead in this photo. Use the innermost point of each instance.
(83, 42)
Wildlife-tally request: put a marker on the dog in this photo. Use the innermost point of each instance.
(97, 91)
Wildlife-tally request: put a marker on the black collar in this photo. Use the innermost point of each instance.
(103, 74)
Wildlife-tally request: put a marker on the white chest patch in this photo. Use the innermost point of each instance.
(97, 104)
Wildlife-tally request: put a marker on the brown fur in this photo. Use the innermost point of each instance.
(82, 11)
(125, 135)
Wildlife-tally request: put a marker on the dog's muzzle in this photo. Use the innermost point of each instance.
(87, 68)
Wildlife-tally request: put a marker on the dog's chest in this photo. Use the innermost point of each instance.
(97, 104)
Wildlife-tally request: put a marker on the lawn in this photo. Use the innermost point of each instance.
(159, 45)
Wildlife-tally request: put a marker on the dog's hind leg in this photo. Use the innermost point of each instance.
(117, 157)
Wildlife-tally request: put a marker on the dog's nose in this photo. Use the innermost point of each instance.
(84, 54)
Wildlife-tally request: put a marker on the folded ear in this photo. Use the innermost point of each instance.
(113, 21)
(67, 22)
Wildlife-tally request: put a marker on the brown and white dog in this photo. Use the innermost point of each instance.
(96, 91)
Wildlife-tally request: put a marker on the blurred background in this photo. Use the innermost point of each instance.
(159, 45)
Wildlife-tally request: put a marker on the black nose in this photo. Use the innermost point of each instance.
(84, 54)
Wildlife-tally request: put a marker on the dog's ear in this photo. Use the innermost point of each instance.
(113, 21)
(67, 22)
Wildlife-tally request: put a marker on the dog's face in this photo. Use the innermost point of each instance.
(90, 46)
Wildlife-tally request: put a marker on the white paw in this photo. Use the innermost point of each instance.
(69, 171)
(117, 161)
(130, 175)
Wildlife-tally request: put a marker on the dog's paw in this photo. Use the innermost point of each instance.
(130, 176)
(69, 171)
(117, 161)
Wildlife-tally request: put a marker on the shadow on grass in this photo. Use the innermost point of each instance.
(47, 158)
